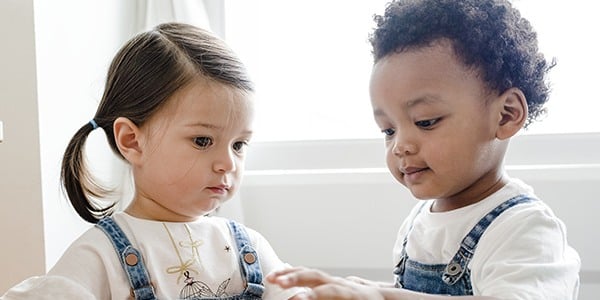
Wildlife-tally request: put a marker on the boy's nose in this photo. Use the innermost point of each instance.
(403, 147)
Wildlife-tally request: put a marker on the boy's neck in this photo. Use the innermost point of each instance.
(452, 203)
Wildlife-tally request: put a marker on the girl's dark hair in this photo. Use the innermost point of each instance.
(145, 72)
(487, 35)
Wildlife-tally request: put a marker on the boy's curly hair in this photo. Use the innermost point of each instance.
(488, 35)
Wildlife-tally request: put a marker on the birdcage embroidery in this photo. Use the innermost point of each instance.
(197, 289)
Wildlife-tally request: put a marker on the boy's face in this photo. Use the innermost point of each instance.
(439, 125)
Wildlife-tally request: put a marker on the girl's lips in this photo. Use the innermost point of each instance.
(222, 189)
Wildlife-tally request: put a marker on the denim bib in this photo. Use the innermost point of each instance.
(139, 279)
(453, 278)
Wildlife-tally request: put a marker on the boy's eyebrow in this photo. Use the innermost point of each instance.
(422, 100)
(426, 99)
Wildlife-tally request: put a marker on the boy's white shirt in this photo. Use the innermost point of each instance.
(523, 254)
(204, 248)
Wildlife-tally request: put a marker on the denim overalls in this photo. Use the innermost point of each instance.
(453, 278)
(139, 280)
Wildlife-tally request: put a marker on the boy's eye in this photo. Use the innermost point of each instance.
(203, 141)
(240, 146)
(427, 124)
(389, 132)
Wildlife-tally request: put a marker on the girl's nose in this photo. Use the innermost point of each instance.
(225, 162)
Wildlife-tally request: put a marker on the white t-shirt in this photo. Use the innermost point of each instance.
(523, 254)
(204, 249)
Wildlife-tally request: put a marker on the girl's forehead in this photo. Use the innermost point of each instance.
(203, 95)
(209, 103)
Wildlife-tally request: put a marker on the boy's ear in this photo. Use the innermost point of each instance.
(127, 138)
(513, 113)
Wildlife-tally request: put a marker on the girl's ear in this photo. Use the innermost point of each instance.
(513, 113)
(127, 138)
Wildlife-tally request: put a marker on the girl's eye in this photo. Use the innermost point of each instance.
(203, 142)
(427, 124)
(240, 146)
(389, 132)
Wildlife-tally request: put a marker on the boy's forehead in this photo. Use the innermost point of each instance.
(424, 61)
(423, 73)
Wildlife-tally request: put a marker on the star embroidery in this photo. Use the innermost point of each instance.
(227, 248)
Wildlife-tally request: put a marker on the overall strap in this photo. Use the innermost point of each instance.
(399, 269)
(458, 265)
(131, 260)
(249, 264)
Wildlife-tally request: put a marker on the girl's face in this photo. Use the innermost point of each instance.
(439, 125)
(192, 153)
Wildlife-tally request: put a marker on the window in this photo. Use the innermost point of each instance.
(311, 62)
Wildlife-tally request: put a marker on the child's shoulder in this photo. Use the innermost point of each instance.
(525, 204)
(524, 222)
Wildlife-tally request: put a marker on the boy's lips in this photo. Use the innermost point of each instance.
(411, 170)
(413, 175)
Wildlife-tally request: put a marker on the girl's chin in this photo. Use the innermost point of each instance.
(209, 208)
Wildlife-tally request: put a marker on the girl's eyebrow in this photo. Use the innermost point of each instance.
(215, 127)
(205, 125)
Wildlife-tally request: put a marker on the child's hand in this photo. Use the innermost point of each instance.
(372, 283)
(322, 285)
(363, 281)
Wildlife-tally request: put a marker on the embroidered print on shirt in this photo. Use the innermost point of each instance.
(198, 289)
(193, 289)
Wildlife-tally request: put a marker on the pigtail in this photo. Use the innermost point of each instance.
(78, 183)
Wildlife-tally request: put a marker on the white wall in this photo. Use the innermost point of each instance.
(21, 228)
(333, 204)
(22, 250)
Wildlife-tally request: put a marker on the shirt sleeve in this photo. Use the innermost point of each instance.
(526, 256)
(88, 261)
(48, 288)
(270, 262)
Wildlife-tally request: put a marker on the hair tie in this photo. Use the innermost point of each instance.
(94, 124)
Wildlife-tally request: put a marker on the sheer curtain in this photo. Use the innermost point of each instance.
(152, 12)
